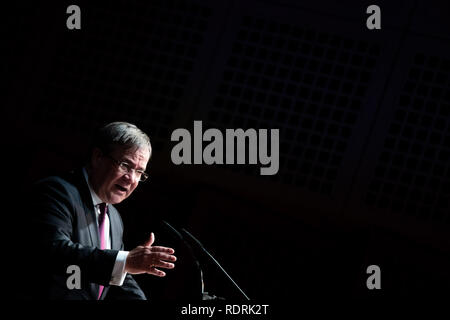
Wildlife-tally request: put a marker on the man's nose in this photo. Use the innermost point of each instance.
(132, 177)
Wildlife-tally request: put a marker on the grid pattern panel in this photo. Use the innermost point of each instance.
(311, 84)
(130, 63)
(412, 173)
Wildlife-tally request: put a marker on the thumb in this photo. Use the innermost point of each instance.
(150, 241)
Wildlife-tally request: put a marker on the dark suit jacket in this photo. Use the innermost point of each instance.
(64, 232)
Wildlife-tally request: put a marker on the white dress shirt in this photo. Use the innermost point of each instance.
(118, 274)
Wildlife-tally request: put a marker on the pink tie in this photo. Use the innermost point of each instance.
(103, 233)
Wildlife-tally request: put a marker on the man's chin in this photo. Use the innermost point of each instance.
(116, 198)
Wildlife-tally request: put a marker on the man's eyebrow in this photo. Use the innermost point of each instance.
(128, 161)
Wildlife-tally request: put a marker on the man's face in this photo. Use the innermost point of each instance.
(109, 182)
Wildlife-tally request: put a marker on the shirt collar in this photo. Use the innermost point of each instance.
(95, 198)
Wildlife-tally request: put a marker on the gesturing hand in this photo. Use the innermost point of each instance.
(145, 259)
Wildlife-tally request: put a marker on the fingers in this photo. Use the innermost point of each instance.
(160, 264)
(163, 249)
(163, 264)
(156, 256)
(156, 272)
(150, 240)
(146, 259)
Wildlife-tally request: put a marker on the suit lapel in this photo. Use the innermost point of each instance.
(91, 218)
(89, 209)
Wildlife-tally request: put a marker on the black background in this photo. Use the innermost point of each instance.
(363, 115)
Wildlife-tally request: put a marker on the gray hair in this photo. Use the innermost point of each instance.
(120, 134)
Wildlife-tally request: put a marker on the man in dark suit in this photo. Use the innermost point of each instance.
(74, 223)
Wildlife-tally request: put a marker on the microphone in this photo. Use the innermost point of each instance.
(202, 249)
(189, 249)
(177, 234)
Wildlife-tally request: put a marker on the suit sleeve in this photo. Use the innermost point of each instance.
(52, 224)
(129, 290)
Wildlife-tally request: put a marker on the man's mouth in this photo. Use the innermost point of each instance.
(121, 188)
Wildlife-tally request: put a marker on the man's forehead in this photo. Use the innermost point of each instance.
(133, 153)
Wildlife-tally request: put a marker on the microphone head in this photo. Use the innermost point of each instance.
(190, 236)
(173, 230)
